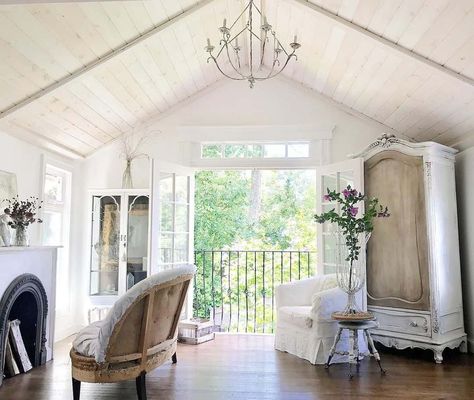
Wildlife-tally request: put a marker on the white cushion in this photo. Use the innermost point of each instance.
(93, 340)
(299, 316)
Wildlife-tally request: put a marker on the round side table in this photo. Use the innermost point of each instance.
(354, 355)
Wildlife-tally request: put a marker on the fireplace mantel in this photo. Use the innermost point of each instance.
(39, 261)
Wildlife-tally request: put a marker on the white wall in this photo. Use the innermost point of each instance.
(228, 103)
(25, 160)
(465, 199)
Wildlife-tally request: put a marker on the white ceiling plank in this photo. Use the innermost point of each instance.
(456, 132)
(150, 33)
(448, 19)
(401, 19)
(384, 13)
(422, 22)
(403, 92)
(387, 44)
(88, 112)
(341, 65)
(348, 9)
(356, 65)
(97, 96)
(329, 57)
(377, 80)
(364, 78)
(32, 122)
(365, 12)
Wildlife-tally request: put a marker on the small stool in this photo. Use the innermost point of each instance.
(354, 327)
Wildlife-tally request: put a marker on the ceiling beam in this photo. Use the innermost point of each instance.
(389, 45)
(107, 57)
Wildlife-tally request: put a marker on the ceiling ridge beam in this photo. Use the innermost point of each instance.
(392, 46)
(107, 57)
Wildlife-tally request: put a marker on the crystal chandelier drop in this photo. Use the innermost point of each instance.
(264, 38)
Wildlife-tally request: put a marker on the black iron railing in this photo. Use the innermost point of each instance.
(236, 287)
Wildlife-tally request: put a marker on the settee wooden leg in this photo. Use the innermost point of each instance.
(76, 389)
(141, 386)
(174, 358)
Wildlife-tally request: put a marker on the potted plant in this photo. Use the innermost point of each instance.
(353, 232)
(22, 213)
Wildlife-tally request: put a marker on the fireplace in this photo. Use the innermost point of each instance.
(25, 300)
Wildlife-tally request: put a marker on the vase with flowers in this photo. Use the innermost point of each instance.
(353, 232)
(22, 214)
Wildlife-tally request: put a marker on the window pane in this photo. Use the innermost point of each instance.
(274, 150)
(181, 248)
(53, 188)
(211, 151)
(166, 248)
(181, 218)
(298, 150)
(182, 189)
(255, 150)
(166, 217)
(235, 150)
(328, 182)
(52, 228)
(345, 179)
(166, 187)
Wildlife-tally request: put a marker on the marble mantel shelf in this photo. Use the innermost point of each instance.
(9, 249)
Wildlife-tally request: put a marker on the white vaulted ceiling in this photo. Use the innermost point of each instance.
(78, 74)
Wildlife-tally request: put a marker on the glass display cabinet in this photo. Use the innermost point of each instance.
(119, 242)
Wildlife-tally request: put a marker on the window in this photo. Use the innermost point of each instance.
(174, 221)
(255, 150)
(56, 224)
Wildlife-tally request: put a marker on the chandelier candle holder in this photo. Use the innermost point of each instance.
(353, 233)
(263, 35)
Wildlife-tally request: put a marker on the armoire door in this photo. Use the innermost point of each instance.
(397, 252)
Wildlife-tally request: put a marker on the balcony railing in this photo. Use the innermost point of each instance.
(237, 287)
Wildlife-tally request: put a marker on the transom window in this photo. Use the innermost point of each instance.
(255, 150)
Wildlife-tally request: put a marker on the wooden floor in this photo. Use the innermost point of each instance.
(242, 367)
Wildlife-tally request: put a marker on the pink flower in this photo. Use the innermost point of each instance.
(326, 197)
(346, 193)
(353, 211)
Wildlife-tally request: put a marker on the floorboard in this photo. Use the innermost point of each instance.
(241, 367)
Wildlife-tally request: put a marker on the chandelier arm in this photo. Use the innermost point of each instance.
(262, 55)
(232, 64)
(244, 78)
(280, 71)
(281, 46)
(233, 38)
(242, 13)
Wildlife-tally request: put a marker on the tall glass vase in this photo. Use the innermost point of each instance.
(21, 236)
(127, 176)
(351, 279)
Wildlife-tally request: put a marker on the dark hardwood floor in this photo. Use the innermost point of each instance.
(242, 367)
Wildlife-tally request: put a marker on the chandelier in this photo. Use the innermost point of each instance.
(264, 38)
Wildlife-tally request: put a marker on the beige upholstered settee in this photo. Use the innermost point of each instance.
(138, 334)
(304, 325)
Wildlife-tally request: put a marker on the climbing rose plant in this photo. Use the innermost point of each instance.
(350, 225)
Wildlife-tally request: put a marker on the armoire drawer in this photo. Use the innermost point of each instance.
(414, 324)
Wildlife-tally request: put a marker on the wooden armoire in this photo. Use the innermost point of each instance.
(413, 267)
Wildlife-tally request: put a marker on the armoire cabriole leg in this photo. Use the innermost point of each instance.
(141, 386)
(174, 358)
(76, 389)
(438, 356)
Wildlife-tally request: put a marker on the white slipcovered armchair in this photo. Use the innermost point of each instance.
(304, 325)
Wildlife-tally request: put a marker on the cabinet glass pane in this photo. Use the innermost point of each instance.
(182, 212)
(137, 239)
(182, 188)
(105, 244)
